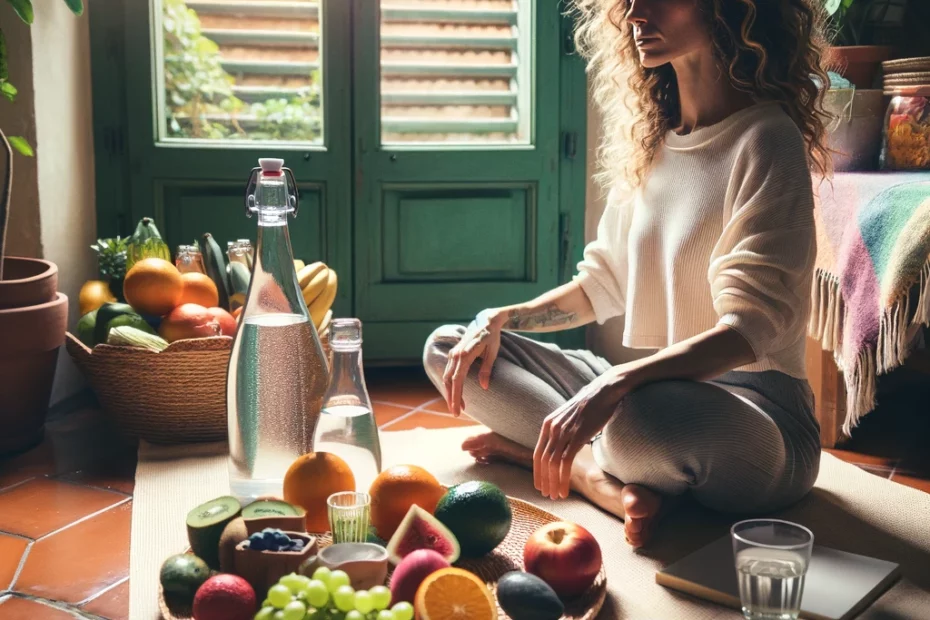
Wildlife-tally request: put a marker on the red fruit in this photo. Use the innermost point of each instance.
(226, 320)
(225, 597)
(188, 321)
(556, 546)
(412, 571)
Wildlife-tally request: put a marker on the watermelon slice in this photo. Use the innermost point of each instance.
(421, 530)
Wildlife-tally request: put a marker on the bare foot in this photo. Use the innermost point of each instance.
(491, 447)
(636, 505)
(642, 508)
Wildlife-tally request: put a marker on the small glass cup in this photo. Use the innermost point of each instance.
(771, 559)
(349, 516)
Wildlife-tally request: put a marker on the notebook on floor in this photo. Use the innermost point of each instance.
(838, 585)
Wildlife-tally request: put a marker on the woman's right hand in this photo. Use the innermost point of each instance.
(482, 340)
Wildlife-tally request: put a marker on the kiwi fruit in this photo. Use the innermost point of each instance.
(205, 525)
(271, 508)
(275, 514)
(233, 534)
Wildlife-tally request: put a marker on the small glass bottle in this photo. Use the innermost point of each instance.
(277, 370)
(240, 251)
(347, 424)
(189, 259)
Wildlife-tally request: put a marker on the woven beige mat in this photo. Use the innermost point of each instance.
(849, 509)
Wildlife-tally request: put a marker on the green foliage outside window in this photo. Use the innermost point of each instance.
(199, 98)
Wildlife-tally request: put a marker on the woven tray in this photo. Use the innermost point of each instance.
(527, 518)
(171, 397)
(902, 65)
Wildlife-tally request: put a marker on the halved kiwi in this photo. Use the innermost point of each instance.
(271, 508)
(205, 525)
(275, 514)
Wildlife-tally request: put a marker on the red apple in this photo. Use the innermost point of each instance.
(227, 322)
(565, 556)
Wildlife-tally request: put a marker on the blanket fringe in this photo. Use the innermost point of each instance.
(827, 312)
(896, 331)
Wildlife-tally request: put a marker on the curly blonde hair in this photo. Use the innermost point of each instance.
(770, 49)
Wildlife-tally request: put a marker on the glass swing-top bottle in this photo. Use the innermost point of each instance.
(277, 373)
(347, 426)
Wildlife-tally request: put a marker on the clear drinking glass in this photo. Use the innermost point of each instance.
(347, 426)
(771, 558)
(277, 371)
(349, 516)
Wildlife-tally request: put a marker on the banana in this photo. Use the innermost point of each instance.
(324, 325)
(308, 273)
(316, 286)
(321, 305)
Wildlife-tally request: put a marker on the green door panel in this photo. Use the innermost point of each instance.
(192, 210)
(428, 234)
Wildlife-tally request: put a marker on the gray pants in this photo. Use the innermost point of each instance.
(745, 442)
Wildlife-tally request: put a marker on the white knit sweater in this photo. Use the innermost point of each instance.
(722, 232)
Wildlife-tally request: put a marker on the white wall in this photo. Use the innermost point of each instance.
(18, 119)
(65, 157)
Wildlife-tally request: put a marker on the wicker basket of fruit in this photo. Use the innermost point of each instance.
(158, 363)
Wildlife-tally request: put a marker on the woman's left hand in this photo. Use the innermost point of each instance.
(571, 427)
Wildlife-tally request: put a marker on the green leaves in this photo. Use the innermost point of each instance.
(19, 143)
(76, 6)
(8, 90)
(23, 8)
(832, 6)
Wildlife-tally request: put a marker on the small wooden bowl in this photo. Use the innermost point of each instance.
(263, 569)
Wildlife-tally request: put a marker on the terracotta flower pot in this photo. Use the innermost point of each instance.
(27, 282)
(860, 64)
(29, 341)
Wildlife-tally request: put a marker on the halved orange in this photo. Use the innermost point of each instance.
(454, 594)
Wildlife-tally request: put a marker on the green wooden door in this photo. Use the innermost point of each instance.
(439, 147)
(463, 145)
(211, 86)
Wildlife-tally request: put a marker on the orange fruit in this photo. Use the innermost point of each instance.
(309, 482)
(94, 294)
(454, 594)
(395, 490)
(153, 286)
(198, 289)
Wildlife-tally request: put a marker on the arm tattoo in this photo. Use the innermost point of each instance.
(549, 316)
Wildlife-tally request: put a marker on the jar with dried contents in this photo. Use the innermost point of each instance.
(906, 143)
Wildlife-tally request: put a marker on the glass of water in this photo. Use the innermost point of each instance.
(349, 516)
(771, 558)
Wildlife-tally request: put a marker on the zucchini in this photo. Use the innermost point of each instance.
(214, 260)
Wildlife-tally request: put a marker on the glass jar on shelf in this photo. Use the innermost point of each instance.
(188, 258)
(906, 140)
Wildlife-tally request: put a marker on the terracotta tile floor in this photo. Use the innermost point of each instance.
(65, 506)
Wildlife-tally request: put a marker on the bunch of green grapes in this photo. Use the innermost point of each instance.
(328, 596)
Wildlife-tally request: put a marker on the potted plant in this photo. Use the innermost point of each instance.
(857, 25)
(33, 314)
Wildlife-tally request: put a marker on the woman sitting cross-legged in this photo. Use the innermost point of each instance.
(708, 254)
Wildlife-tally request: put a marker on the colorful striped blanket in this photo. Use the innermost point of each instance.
(872, 284)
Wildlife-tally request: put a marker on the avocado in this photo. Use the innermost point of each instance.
(478, 514)
(181, 576)
(107, 313)
(527, 597)
(85, 328)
